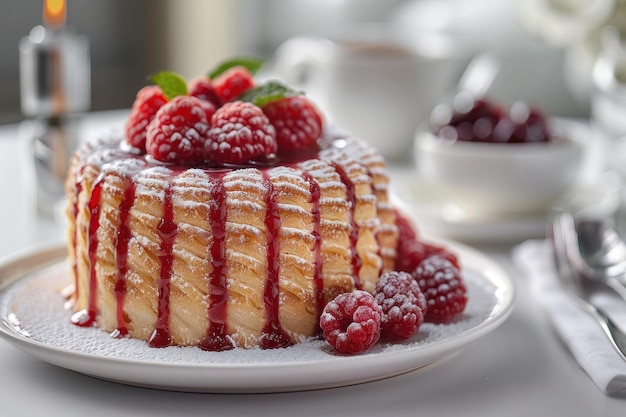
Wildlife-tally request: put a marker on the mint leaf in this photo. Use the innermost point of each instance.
(171, 83)
(251, 64)
(267, 93)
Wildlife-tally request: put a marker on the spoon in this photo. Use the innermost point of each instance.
(585, 290)
(602, 253)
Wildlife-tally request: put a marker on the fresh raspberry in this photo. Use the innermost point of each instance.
(406, 228)
(443, 287)
(203, 89)
(240, 132)
(444, 252)
(233, 82)
(411, 252)
(403, 305)
(209, 109)
(351, 322)
(298, 123)
(149, 99)
(178, 131)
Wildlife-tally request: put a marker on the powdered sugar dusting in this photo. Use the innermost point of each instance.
(36, 306)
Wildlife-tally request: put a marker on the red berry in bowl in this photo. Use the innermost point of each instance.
(298, 123)
(443, 287)
(478, 123)
(530, 124)
(403, 305)
(233, 82)
(467, 109)
(522, 124)
(351, 322)
(482, 120)
(239, 133)
(178, 131)
(148, 101)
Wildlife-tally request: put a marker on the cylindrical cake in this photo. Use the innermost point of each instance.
(224, 257)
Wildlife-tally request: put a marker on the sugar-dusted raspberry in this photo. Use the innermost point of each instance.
(351, 322)
(233, 82)
(298, 123)
(411, 252)
(240, 132)
(203, 88)
(403, 305)
(443, 286)
(148, 101)
(179, 129)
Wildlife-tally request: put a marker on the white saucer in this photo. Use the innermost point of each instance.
(439, 217)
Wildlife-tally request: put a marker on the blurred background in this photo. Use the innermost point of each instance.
(128, 41)
(546, 49)
(549, 42)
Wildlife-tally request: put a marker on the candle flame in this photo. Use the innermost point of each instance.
(54, 12)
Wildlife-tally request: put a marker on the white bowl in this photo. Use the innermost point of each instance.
(503, 178)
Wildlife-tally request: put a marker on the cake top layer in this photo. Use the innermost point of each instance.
(113, 149)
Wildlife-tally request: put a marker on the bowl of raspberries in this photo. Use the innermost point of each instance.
(490, 158)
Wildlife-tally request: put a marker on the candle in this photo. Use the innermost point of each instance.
(55, 90)
(54, 67)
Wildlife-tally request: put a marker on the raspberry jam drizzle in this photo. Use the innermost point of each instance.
(167, 231)
(79, 188)
(354, 227)
(272, 335)
(87, 317)
(217, 339)
(121, 256)
(318, 282)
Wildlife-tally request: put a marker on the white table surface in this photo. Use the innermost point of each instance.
(520, 369)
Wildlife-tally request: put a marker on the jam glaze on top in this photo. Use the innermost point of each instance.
(217, 338)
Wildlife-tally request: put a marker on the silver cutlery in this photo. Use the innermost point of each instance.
(602, 253)
(593, 295)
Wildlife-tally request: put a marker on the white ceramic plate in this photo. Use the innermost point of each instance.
(437, 216)
(33, 318)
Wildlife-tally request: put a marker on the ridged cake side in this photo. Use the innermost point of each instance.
(221, 258)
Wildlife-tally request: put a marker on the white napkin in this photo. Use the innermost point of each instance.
(579, 330)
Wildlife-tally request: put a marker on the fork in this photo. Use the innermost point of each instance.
(582, 288)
